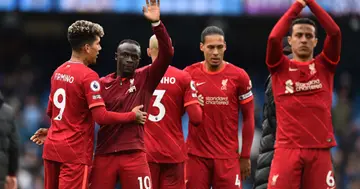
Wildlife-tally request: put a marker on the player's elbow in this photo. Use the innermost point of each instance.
(195, 113)
(337, 32)
(170, 53)
(196, 121)
(273, 39)
(99, 113)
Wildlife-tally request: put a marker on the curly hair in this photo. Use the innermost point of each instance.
(83, 32)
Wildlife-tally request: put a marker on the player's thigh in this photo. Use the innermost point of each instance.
(51, 174)
(155, 174)
(73, 176)
(135, 172)
(286, 169)
(172, 176)
(198, 172)
(319, 174)
(104, 172)
(226, 174)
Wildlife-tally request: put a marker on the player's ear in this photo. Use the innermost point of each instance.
(289, 40)
(87, 48)
(202, 46)
(316, 41)
(148, 50)
(115, 56)
(224, 46)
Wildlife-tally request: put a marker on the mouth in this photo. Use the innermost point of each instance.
(215, 60)
(303, 48)
(128, 67)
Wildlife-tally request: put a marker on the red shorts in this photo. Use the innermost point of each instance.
(131, 168)
(301, 169)
(202, 173)
(65, 175)
(167, 175)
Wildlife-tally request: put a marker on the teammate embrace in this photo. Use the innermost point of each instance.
(147, 150)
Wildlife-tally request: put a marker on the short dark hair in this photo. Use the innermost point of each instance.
(83, 32)
(302, 21)
(211, 30)
(130, 41)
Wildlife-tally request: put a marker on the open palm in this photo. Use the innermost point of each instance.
(152, 10)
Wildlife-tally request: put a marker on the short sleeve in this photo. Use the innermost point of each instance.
(244, 88)
(190, 96)
(92, 89)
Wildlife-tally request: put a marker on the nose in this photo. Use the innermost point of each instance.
(129, 61)
(303, 39)
(216, 51)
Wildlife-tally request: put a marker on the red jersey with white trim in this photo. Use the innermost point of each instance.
(164, 139)
(75, 89)
(223, 91)
(303, 91)
(303, 98)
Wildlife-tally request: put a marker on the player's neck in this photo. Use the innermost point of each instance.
(210, 68)
(153, 58)
(300, 59)
(122, 74)
(76, 57)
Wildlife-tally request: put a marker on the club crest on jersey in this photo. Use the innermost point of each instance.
(312, 68)
(274, 179)
(95, 86)
(132, 87)
(224, 84)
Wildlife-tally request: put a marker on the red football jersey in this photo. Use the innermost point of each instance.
(223, 91)
(303, 98)
(164, 140)
(75, 89)
(122, 95)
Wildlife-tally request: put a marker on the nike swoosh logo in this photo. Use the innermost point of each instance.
(106, 88)
(293, 69)
(198, 84)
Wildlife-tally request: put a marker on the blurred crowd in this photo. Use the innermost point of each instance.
(22, 83)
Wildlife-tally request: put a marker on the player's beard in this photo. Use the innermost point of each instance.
(124, 72)
(305, 55)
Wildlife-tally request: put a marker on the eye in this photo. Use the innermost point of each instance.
(309, 36)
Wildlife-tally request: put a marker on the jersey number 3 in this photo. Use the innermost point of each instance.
(159, 94)
(61, 105)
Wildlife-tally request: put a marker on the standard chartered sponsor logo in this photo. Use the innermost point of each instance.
(298, 86)
(217, 100)
(311, 85)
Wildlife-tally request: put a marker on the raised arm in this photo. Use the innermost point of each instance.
(332, 45)
(274, 45)
(161, 63)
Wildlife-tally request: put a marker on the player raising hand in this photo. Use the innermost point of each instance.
(302, 89)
